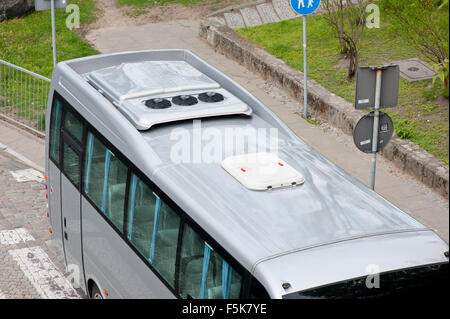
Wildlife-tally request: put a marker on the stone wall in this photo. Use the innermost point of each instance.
(323, 104)
(14, 8)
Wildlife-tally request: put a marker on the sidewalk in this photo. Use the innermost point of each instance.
(23, 146)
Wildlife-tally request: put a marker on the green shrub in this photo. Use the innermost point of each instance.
(442, 76)
(405, 129)
(425, 24)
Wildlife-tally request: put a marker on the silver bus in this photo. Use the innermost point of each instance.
(141, 213)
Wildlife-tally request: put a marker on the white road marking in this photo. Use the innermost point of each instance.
(27, 175)
(14, 236)
(42, 273)
(2, 296)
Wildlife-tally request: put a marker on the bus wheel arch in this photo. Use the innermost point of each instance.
(94, 290)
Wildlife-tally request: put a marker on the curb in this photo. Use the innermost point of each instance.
(19, 157)
(325, 105)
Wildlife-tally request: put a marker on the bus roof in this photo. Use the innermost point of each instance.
(330, 206)
(253, 226)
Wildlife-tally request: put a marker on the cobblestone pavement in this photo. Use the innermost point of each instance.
(29, 265)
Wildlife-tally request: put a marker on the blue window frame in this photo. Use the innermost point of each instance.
(152, 228)
(203, 273)
(105, 180)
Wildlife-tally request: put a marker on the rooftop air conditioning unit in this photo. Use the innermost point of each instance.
(262, 171)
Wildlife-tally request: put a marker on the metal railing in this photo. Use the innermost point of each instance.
(23, 97)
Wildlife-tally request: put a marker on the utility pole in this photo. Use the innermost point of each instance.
(376, 126)
(52, 7)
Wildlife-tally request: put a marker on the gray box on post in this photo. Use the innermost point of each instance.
(366, 82)
(44, 5)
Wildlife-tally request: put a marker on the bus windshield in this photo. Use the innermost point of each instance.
(419, 281)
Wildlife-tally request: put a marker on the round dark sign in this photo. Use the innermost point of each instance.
(363, 133)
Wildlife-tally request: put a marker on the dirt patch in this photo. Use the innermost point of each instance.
(109, 15)
(442, 101)
(343, 63)
(178, 11)
(113, 16)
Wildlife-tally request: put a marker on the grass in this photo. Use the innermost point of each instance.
(313, 122)
(26, 42)
(419, 117)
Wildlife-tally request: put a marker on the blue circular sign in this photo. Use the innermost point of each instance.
(305, 7)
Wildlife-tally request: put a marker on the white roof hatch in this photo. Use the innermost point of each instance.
(262, 171)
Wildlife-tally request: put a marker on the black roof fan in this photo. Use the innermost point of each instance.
(158, 103)
(184, 100)
(211, 97)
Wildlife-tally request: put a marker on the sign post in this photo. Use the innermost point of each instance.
(53, 32)
(304, 8)
(44, 5)
(376, 87)
(376, 123)
(305, 72)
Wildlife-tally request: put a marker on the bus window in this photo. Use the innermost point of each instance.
(55, 122)
(163, 248)
(73, 125)
(71, 164)
(115, 191)
(152, 227)
(71, 158)
(105, 180)
(204, 274)
(94, 169)
(141, 215)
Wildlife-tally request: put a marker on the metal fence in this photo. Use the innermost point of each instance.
(23, 97)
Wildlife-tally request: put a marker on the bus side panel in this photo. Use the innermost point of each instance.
(109, 259)
(54, 205)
